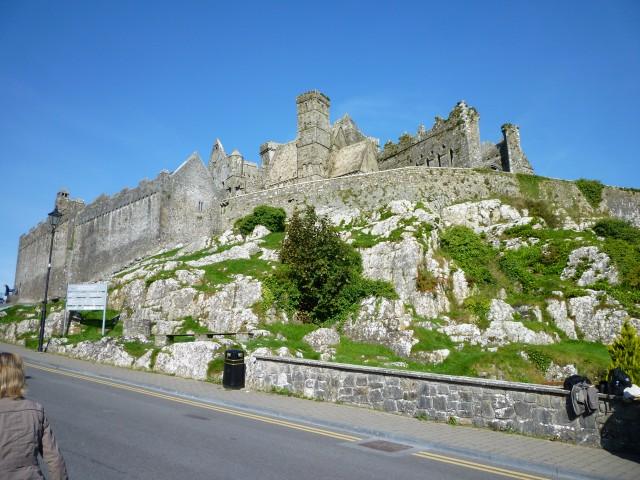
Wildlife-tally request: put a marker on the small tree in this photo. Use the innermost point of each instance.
(625, 352)
(320, 264)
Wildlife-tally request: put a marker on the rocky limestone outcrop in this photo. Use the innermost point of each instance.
(323, 341)
(557, 373)
(160, 308)
(503, 330)
(245, 250)
(435, 356)
(490, 216)
(259, 231)
(597, 266)
(190, 360)
(384, 322)
(462, 332)
(557, 309)
(106, 350)
(229, 309)
(460, 286)
(397, 262)
(598, 316)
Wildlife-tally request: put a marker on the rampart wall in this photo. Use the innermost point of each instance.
(104, 242)
(33, 257)
(435, 188)
(96, 240)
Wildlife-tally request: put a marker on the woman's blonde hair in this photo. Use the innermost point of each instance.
(11, 376)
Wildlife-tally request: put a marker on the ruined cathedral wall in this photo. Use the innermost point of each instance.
(450, 143)
(189, 206)
(33, 257)
(112, 231)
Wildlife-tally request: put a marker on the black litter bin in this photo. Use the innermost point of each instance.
(233, 373)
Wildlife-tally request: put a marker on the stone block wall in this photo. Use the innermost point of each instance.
(537, 410)
(33, 257)
(622, 203)
(96, 240)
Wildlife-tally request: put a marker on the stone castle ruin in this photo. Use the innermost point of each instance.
(326, 165)
(322, 150)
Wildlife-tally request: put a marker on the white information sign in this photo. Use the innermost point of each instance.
(87, 296)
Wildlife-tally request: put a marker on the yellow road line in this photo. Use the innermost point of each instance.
(273, 421)
(284, 423)
(478, 466)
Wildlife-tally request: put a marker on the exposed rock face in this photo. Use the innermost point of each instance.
(436, 356)
(558, 311)
(461, 288)
(229, 310)
(598, 267)
(397, 262)
(259, 231)
(189, 360)
(503, 329)
(244, 250)
(556, 373)
(462, 332)
(340, 216)
(480, 215)
(160, 308)
(322, 341)
(106, 350)
(598, 316)
(384, 322)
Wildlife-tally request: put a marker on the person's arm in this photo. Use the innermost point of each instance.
(51, 453)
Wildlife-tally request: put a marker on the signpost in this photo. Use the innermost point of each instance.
(87, 296)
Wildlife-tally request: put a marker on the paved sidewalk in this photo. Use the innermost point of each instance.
(543, 457)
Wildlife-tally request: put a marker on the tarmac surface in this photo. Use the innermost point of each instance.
(481, 450)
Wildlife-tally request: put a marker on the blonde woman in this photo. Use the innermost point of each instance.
(25, 432)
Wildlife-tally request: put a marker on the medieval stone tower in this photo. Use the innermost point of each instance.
(313, 141)
(517, 160)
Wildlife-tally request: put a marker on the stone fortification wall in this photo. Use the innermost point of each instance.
(623, 203)
(95, 240)
(33, 257)
(434, 187)
(105, 242)
(525, 408)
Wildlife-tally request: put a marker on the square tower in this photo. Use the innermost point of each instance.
(313, 140)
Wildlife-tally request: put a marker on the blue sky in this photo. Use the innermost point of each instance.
(95, 96)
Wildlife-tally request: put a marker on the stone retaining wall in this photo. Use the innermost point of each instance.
(538, 410)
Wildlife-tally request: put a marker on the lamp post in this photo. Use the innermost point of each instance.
(54, 220)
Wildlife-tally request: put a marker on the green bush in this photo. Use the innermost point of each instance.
(625, 352)
(320, 276)
(622, 244)
(618, 229)
(470, 252)
(592, 191)
(271, 217)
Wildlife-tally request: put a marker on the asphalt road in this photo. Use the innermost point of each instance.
(111, 433)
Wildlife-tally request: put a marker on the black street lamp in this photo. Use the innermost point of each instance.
(54, 220)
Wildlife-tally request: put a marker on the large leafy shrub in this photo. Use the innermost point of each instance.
(271, 217)
(320, 275)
